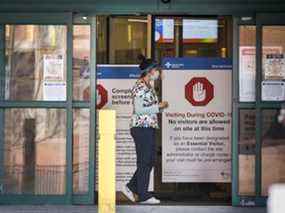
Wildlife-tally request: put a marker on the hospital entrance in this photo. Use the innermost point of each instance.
(223, 76)
(193, 144)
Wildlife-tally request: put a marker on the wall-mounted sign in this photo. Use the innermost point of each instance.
(164, 30)
(200, 31)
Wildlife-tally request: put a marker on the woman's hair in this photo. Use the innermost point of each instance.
(145, 64)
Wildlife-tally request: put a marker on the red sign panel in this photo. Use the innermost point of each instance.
(199, 91)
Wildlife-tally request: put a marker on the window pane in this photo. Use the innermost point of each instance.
(128, 39)
(247, 63)
(209, 38)
(81, 61)
(35, 151)
(35, 62)
(246, 146)
(273, 149)
(193, 37)
(102, 40)
(80, 151)
(167, 40)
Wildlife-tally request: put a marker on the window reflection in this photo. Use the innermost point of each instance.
(247, 127)
(81, 62)
(102, 40)
(35, 151)
(273, 148)
(80, 150)
(195, 37)
(35, 62)
(128, 39)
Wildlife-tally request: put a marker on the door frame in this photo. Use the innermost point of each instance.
(91, 196)
(69, 105)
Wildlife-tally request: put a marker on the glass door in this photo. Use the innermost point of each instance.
(34, 142)
(244, 112)
(45, 126)
(178, 37)
(259, 96)
(84, 108)
(271, 72)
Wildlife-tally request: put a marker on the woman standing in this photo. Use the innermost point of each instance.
(143, 125)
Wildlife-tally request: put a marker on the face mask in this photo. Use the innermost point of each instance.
(155, 76)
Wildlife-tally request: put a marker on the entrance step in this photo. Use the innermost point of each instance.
(131, 209)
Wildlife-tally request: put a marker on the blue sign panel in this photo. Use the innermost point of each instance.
(197, 63)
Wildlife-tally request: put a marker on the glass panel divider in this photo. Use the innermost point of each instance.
(93, 118)
(69, 83)
(258, 109)
(2, 83)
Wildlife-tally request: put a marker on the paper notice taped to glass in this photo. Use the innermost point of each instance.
(53, 67)
(274, 66)
(54, 91)
(273, 90)
(247, 69)
(247, 73)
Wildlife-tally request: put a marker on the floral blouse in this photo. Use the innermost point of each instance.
(145, 106)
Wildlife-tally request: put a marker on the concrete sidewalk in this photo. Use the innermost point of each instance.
(130, 209)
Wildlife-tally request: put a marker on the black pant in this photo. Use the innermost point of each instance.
(145, 149)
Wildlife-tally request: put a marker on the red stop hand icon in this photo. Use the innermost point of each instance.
(102, 96)
(199, 91)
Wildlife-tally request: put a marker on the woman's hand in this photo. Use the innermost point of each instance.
(163, 105)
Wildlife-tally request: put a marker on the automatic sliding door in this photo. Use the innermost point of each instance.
(273, 119)
(36, 117)
(259, 121)
(194, 38)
